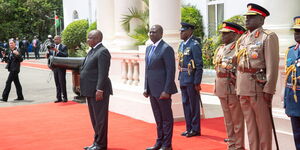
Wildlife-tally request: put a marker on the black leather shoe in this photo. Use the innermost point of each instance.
(3, 100)
(57, 101)
(184, 133)
(193, 133)
(165, 148)
(227, 140)
(155, 147)
(19, 99)
(96, 147)
(65, 100)
(88, 146)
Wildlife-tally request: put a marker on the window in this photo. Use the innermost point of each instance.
(215, 16)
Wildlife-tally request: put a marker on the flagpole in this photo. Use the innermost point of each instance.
(60, 28)
(55, 23)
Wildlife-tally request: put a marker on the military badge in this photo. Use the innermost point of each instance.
(187, 51)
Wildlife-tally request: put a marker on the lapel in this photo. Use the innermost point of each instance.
(156, 51)
(59, 47)
(90, 54)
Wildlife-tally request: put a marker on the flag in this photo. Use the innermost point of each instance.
(57, 21)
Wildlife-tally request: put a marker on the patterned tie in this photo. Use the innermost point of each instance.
(151, 53)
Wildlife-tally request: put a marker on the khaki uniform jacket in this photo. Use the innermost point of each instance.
(265, 44)
(223, 86)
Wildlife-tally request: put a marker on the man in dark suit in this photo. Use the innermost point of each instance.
(59, 50)
(13, 60)
(23, 45)
(190, 75)
(160, 85)
(36, 47)
(96, 86)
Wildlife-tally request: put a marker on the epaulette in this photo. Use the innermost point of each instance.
(266, 31)
(292, 46)
(195, 42)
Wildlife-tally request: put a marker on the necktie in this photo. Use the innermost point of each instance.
(56, 46)
(88, 55)
(151, 53)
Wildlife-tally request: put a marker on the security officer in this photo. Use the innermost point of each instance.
(225, 85)
(257, 72)
(190, 75)
(292, 94)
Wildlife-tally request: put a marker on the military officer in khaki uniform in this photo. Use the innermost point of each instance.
(257, 60)
(225, 85)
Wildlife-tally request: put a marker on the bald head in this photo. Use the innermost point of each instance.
(57, 39)
(94, 37)
(156, 33)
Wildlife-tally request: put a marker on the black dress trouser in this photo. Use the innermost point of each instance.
(99, 118)
(12, 77)
(60, 83)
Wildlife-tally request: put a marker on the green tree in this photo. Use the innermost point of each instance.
(191, 14)
(140, 33)
(26, 18)
(93, 26)
(74, 36)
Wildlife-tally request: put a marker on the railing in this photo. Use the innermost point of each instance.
(130, 66)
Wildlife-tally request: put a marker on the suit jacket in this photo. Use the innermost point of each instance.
(94, 72)
(37, 44)
(160, 71)
(23, 45)
(13, 61)
(265, 44)
(63, 51)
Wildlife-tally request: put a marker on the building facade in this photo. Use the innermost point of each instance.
(79, 9)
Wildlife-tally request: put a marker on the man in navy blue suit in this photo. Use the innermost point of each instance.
(190, 75)
(160, 85)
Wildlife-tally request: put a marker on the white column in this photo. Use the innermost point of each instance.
(122, 41)
(105, 21)
(167, 14)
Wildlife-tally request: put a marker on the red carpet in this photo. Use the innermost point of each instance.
(67, 127)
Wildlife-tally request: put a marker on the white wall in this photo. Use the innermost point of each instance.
(82, 7)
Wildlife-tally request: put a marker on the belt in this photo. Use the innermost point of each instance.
(248, 70)
(222, 75)
(290, 85)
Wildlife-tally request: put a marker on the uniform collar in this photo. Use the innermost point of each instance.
(187, 40)
(255, 32)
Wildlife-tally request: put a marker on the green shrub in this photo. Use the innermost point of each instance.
(191, 14)
(93, 26)
(210, 44)
(75, 34)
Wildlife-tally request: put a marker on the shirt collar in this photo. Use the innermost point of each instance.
(156, 44)
(97, 45)
(188, 40)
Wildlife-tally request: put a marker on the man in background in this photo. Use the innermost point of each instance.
(59, 50)
(36, 47)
